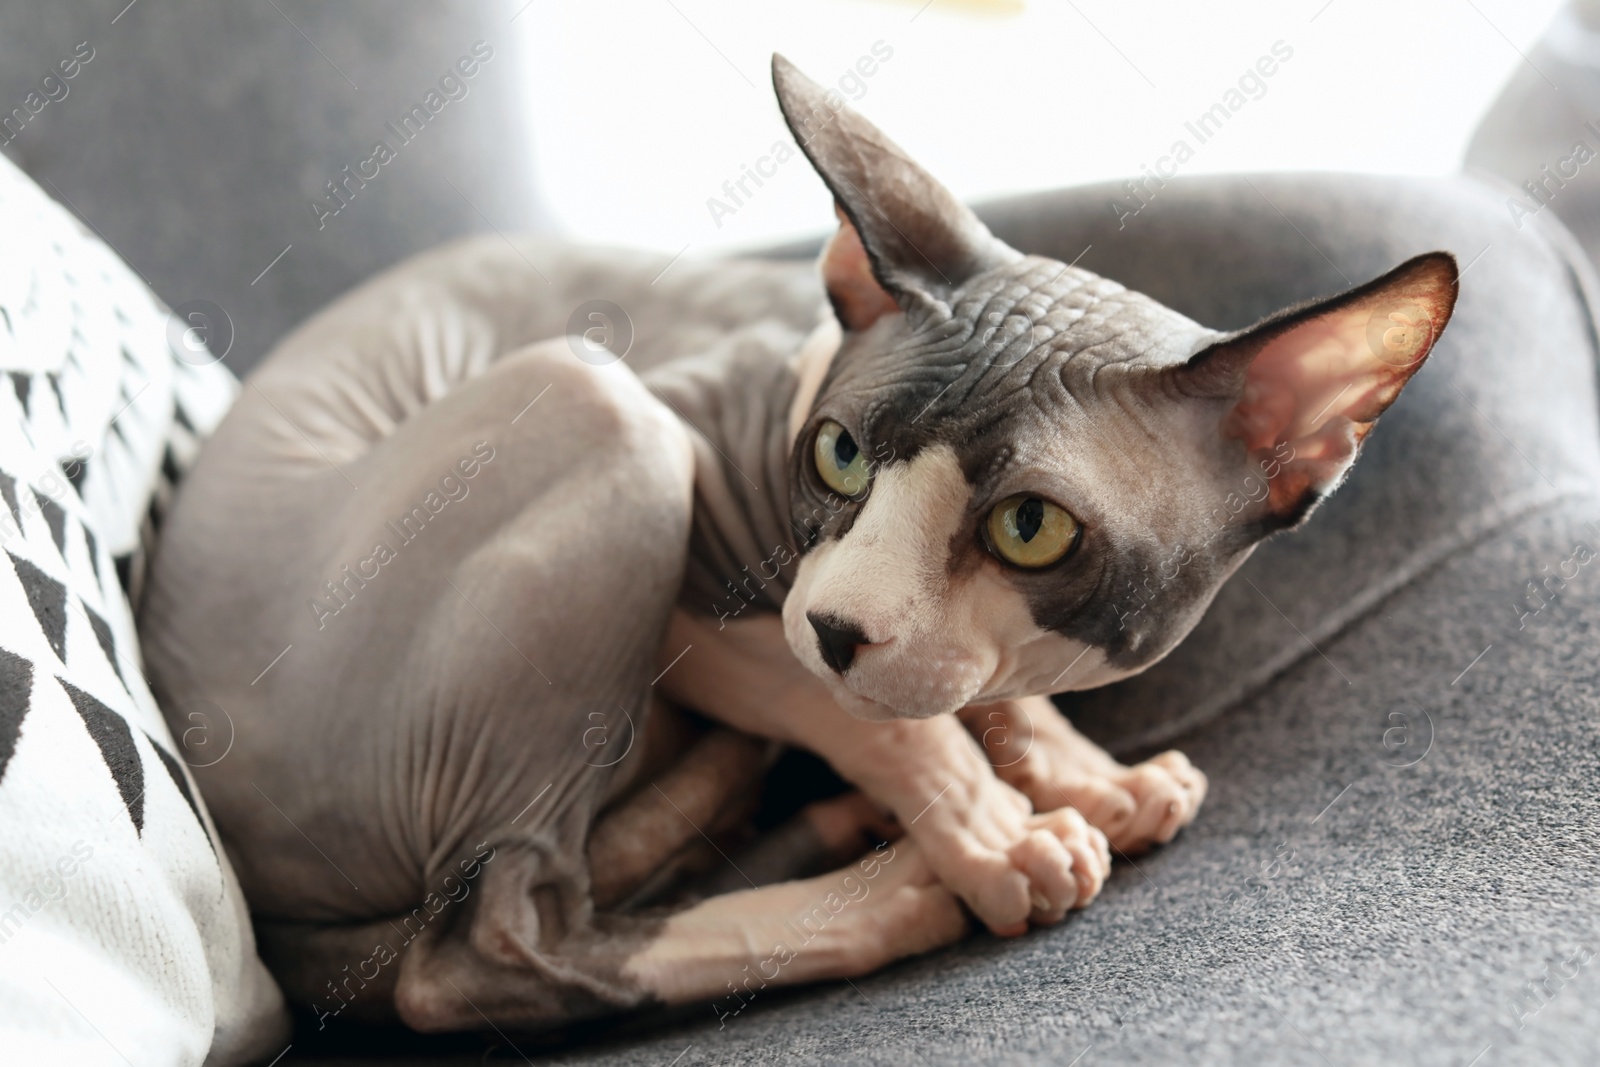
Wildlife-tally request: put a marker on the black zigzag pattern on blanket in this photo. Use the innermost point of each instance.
(55, 518)
(108, 641)
(22, 385)
(16, 692)
(111, 733)
(8, 490)
(179, 779)
(92, 543)
(48, 598)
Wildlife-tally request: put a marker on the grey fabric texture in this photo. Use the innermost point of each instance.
(1397, 861)
(199, 135)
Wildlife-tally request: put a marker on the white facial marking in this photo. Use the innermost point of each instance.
(938, 641)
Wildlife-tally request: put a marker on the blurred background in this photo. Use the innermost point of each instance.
(200, 139)
(642, 108)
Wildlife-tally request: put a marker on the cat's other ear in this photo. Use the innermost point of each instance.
(1303, 388)
(903, 239)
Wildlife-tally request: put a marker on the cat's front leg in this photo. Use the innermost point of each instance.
(1034, 748)
(1011, 865)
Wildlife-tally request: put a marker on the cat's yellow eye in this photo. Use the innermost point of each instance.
(840, 461)
(1031, 532)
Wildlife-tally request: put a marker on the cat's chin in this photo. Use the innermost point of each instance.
(870, 710)
(861, 707)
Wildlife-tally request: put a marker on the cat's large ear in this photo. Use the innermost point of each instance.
(903, 238)
(1303, 388)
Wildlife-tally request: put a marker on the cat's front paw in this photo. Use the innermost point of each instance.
(1036, 751)
(982, 837)
(1137, 807)
(1091, 861)
(1012, 867)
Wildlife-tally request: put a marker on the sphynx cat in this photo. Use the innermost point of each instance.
(471, 546)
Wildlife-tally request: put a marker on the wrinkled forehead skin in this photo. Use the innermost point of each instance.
(1043, 379)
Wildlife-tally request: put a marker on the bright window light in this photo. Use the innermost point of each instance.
(646, 113)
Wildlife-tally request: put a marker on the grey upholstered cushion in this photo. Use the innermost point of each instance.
(199, 135)
(1402, 829)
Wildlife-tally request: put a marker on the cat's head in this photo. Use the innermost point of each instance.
(1011, 476)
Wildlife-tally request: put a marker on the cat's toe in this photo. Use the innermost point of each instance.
(1167, 791)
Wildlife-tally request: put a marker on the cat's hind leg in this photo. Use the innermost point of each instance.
(518, 962)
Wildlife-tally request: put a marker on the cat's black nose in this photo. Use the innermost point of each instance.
(837, 640)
